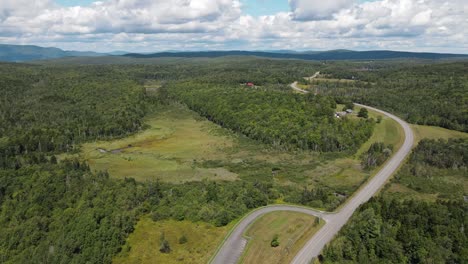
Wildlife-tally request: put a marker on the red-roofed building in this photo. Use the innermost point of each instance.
(250, 84)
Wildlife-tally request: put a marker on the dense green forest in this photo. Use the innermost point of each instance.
(55, 211)
(63, 212)
(46, 110)
(434, 94)
(398, 230)
(390, 231)
(277, 118)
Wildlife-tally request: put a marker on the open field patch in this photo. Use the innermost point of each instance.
(433, 132)
(292, 229)
(142, 246)
(400, 191)
(322, 79)
(174, 140)
(179, 146)
(387, 131)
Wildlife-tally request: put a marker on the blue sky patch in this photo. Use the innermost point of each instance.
(74, 2)
(264, 7)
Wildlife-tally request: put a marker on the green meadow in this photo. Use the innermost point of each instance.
(143, 244)
(179, 146)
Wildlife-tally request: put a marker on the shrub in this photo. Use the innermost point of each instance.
(274, 241)
(164, 247)
(183, 239)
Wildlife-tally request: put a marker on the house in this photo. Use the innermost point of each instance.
(349, 111)
(340, 114)
(250, 84)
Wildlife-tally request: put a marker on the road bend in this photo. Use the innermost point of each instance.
(233, 246)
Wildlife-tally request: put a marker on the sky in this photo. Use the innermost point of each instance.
(159, 25)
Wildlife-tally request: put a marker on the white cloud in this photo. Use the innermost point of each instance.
(317, 9)
(129, 16)
(146, 25)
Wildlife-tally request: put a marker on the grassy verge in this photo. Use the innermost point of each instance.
(293, 230)
(387, 131)
(143, 244)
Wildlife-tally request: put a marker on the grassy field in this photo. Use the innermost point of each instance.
(293, 230)
(321, 79)
(400, 191)
(180, 146)
(143, 244)
(433, 132)
(387, 131)
(303, 86)
(174, 141)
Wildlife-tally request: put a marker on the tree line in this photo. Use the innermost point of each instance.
(427, 94)
(282, 119)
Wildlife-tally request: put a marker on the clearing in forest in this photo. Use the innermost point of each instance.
(433, 132)
(168, 149)
(142, 247)
(180, 146)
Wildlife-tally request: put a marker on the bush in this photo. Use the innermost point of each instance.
(183, 239)
(274, 241)
(363, 113)
(348, 105)
(164, 247)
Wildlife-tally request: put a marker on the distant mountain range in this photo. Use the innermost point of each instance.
(29, 52)
(309, 55)
(20, 53)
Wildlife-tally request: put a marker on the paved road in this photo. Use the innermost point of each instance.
(295, 87)
(313, 247)
(313, 76)
(233, 246)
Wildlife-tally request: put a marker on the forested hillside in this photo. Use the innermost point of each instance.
(391, 229)
(278, 118)
(308, 55)
(434, 94)
(46, 110)
(63, 212)
(30, 52)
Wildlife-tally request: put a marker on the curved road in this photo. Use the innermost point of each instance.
(295, 87)
(234, 244)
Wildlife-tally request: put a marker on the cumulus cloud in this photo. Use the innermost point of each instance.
(147, 25)
(317, 9)
(131, 16)
(432, 25)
